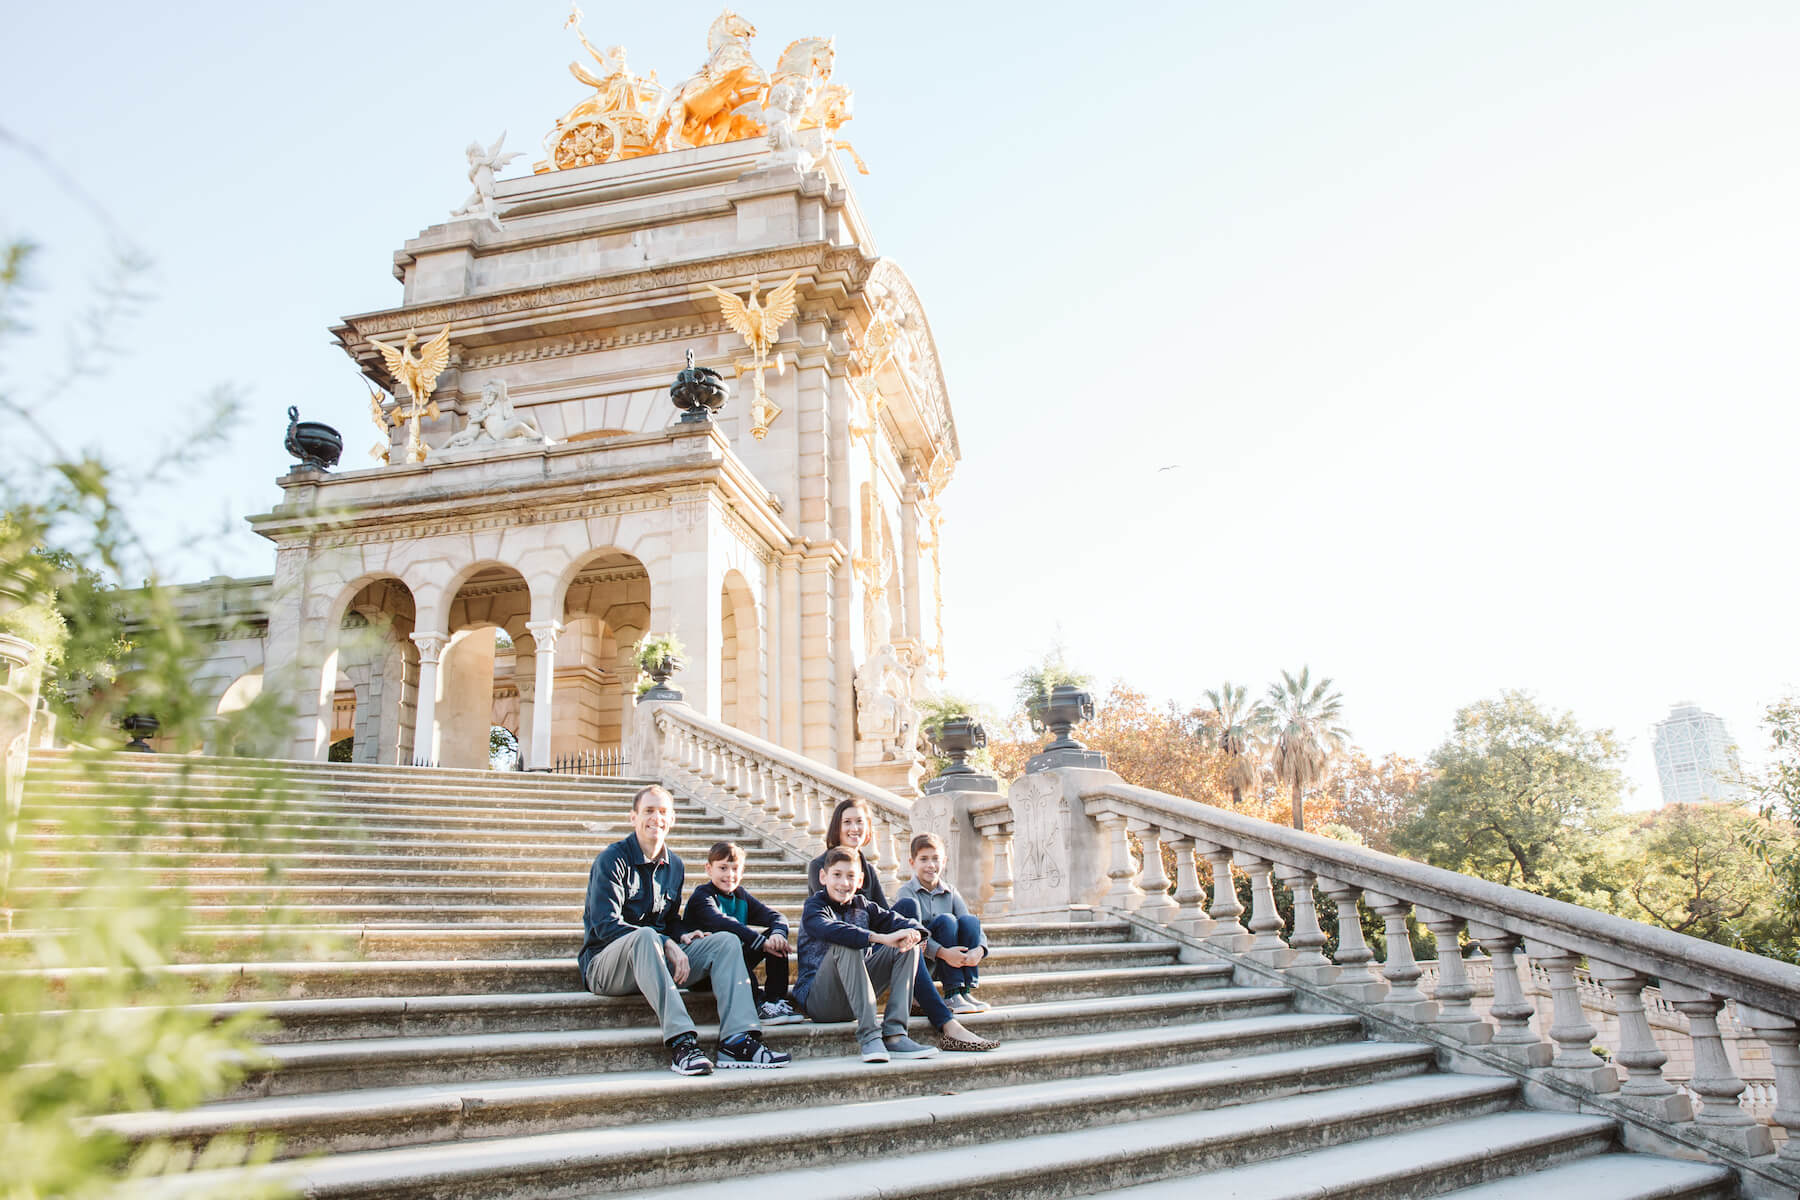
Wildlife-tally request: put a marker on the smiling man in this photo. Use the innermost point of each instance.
(636, 943)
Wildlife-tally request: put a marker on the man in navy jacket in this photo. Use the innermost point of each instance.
(635, 942)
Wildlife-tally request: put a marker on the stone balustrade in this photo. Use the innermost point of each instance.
(1577, 953)
(784, 796)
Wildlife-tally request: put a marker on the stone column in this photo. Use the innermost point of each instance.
(425, 732)
(788, 719)
(1308, 940)
(1717, 1084)
(543, 633)
(1265, 919)
(1455, 1016)
(1783, 1036)
(1644, 1086)
(1575, 1060)
(1511, 1010)
(1190, 897)
(913, 614)
(1228, 932)
(1156, 902)
(1356, 974)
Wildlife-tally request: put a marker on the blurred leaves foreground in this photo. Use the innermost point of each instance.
(103, 980)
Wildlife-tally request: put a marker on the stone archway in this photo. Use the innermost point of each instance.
(474, 672)
(605, 609)
(371, 677)
(740, 668)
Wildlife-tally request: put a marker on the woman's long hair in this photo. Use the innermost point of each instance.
(835, 831)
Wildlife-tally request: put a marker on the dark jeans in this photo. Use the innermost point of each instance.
(776, 968)
(947, 930)
(925, 993)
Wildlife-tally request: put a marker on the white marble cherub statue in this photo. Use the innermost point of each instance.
(493, 421)
(483, 163)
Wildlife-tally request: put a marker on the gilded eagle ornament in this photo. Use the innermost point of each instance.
(419, 372)
(759, 324)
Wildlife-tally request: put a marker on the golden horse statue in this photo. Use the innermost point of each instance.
(704, 109)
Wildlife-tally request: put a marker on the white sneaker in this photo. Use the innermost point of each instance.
(962, 1004)
(779, 1012)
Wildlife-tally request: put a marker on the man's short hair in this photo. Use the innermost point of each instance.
(841, 854)
(723, 850)
(656, 790)
(922, 840)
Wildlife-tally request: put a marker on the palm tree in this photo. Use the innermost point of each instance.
(1306, 735)
(1238, 730)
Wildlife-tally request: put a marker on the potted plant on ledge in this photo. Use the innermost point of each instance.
(958, 741)
(658, 657)
(1055, 699)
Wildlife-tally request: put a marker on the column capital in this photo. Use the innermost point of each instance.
(544, 633)
(430, 645)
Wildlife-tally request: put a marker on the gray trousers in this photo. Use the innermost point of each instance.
(849, 980)
(635, 963)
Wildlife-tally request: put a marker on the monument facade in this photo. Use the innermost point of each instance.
(532, 477)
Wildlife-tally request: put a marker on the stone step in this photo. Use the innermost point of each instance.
(368, 864)
(142, 766)
(787, 893)
(313, 814)
(337, 943)
(311, 828)
(1057, 1138)
(1254, 1058)
(341, 1018)
(1613, 1177)
(78, 788)
(1515, 1155)
(306, 1067)
(399, 980)
(401, 843)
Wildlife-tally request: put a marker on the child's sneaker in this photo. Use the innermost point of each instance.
(905, 1047)
(963, 1004)
(747, 1051)
(779, 1012)
(874, 1052)
(685, 1057)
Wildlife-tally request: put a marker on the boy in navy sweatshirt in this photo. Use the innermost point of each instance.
(851, 951)
(722, 905)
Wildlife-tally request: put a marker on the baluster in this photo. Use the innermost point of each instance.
(1124, 892)
(782, 788)
(798, 816)
(818, 811)
(873, 848)
(1357, 977)
(1228, 932)
(1156, 903)
(899, 843)
(1265, 918)
(1783, 1037)
(1455, 1015)
(1714, 1081)
(1401, 970)
(1307, 963)
(719, 771)
(1575, 1060)
(762, 787)
(1001, 836)
(1511, 1010)
(1190, 897)
(1644, 1086)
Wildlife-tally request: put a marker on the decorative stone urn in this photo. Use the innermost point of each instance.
(317, 445)
(140, 726)
(698, 392)
(956, 739)
(1055, 714)
(659, 672)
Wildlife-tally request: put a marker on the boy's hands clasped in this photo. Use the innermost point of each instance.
(900, 939)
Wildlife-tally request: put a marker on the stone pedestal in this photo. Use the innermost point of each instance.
(946, 813)
(1059, 852)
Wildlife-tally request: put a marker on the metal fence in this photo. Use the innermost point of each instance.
(609, 762)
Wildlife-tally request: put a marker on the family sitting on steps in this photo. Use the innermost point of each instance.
(852, 945)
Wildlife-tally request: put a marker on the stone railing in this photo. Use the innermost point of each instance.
(1622, 957)
(785, 797)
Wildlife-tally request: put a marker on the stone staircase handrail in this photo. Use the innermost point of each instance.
(1749, 978)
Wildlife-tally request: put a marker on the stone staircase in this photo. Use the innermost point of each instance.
(432, 1042)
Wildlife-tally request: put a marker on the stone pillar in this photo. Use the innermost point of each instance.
(543, 634)
(1783, 1036)
(1644, 1086)
(1716, 1083)
(1455, 1016)
(1190, 897)
(1308, 940)
(912, 613)
(525, 679)
(1574, 1060)
(1511, 1010)
(1060, 854)
(1265, 919)
(822, 707)
(1404, 999)
(425, 732)
(693, 592)
(1356, 975)
(1228, 932)
(786, 720)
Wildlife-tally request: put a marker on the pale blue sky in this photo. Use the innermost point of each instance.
(1471, 329)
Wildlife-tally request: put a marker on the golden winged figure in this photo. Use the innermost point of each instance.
(419, 373)
(760, 325)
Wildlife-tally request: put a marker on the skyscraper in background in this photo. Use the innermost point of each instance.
(1695, 758)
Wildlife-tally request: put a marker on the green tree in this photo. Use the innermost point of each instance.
(1694, 873)
(1523, 796)
(1774, 842)
(1236, 728)
(1306, 733)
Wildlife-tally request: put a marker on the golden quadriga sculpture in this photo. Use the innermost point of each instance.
(629, 116)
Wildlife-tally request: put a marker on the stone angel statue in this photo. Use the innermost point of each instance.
(483, 163)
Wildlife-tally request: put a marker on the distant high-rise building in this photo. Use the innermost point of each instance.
(1695, 758)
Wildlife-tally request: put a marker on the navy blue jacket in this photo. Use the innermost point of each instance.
(703, 912)
(823, 923)
(626, 891)
(869, 887)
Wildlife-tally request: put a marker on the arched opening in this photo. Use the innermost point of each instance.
(374, 674)
(605, 610)
(478, 675)
(740, 674)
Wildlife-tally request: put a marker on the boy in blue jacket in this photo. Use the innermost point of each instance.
(723, 905)
(851, 950)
